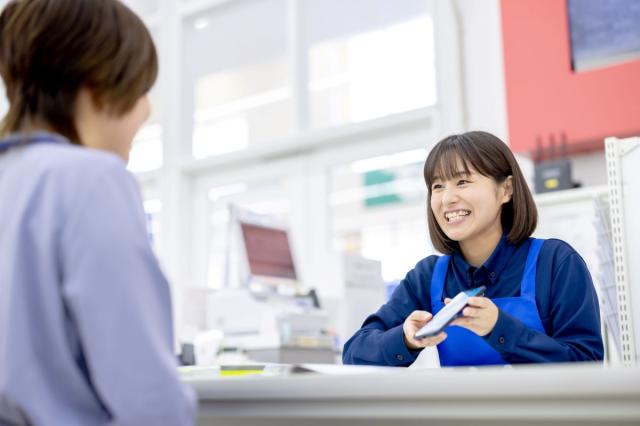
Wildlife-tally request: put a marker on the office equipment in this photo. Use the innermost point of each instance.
(552, 171)
(261, 310)
(259, 254)
(553, 175)
(235, 311)
(623, 157)
(302, 337)
(206, 346)
(268, 251)
(186, 355)
(570, 394)
(272, 329)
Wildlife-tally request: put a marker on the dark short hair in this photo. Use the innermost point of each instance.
(489, 156)
(50, 49)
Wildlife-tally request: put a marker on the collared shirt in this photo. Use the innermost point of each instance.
(565, 298)
(85, 311)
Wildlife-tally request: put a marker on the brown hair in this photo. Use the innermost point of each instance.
(489, 156)
(51, 49)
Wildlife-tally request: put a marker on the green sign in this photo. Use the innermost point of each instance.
(383, 179)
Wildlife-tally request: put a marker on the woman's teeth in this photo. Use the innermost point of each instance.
(456, 214)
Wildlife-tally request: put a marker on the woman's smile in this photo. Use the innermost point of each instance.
(456, 217)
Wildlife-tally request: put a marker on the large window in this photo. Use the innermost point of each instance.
(367, 59)
(146, 152)
(274, 102)
(360, 60)
(378, 210)
(237, 82)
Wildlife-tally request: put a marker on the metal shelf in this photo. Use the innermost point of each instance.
(622, 176)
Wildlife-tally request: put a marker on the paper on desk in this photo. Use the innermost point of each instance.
(340, 370)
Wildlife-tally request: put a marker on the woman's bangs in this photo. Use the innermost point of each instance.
(448, 164)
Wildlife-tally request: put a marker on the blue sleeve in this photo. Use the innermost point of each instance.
(119, 300)
(380, 340)
(574, 333)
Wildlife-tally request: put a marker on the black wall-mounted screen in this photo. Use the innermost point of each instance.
(603, 32)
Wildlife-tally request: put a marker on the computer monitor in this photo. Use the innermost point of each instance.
(265, 257)
(268, 251)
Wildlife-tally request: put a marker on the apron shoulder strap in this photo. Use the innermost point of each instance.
(528, 284)
(437, 282)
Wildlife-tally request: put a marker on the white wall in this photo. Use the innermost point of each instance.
(590, 169)
(484, 98)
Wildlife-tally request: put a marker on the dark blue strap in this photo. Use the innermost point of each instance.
(528, 284)
(437, 281)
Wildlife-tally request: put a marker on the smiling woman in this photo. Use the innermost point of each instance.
(476, 170)
(540, 304)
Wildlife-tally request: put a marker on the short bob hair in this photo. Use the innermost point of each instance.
(51, 49)
(488, 155)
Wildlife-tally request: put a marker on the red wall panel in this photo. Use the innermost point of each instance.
(545, 96)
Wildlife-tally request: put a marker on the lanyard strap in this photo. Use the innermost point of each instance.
(18, 139)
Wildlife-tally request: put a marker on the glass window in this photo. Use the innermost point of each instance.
(377, 210)
(235, 67)
(146, 153)
(368, 59)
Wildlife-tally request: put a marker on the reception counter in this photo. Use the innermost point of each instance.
(578, 394)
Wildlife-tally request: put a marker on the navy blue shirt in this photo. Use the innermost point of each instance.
(565, 297)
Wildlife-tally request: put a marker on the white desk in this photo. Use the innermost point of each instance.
(565, 395)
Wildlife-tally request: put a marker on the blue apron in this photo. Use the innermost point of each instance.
(463, 346)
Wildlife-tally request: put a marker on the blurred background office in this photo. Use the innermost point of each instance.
(314, 117)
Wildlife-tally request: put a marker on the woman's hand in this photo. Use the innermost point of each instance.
(415, 322)
(480, 315)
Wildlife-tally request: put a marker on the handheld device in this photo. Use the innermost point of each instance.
(448, 313)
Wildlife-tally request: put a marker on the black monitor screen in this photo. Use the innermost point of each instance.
(268, 251)
(603, 32)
